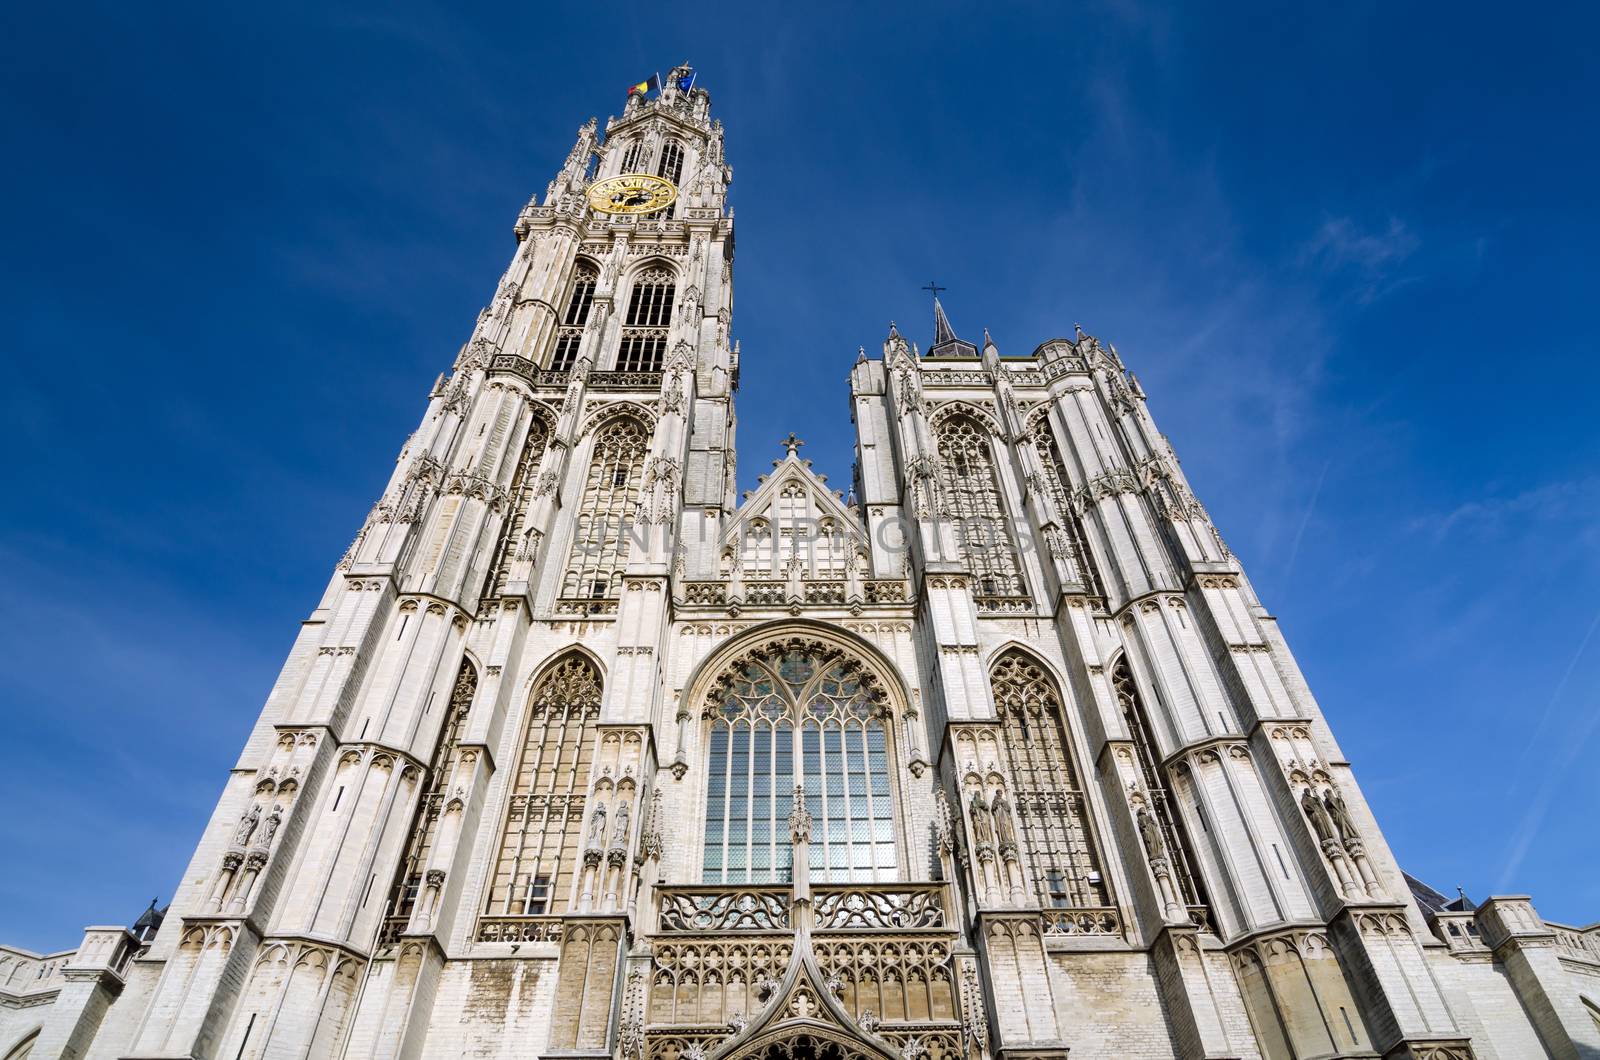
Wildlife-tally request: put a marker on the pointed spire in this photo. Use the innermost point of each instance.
(946, 343)
(942, 332)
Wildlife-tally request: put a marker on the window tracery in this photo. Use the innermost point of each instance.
(569, 334)
(539, 845)
(1137, 720)
(798, 715)
(605, 517)
(1052, 811)
(972, 489)
(644, 331)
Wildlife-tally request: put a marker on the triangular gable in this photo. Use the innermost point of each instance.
(792, 515)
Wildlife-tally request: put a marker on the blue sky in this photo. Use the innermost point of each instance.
(1349, 251)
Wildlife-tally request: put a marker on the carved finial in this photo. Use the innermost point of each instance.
(800, 817)
(792, 444)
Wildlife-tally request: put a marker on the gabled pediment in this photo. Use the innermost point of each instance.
(792, 518)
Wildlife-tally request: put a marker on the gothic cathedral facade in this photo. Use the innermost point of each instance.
(581, 754)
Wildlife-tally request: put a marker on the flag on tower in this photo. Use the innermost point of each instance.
(644, 88)
(686, 81)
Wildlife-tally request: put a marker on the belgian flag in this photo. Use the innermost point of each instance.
(644, 88)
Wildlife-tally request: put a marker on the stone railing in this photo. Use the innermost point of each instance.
(714, 593)
(889, 907)
(725, 908)
(1459, 931)
(839, 908)
(768, 592)
(1005, 605)
(885, 592)
(1580, 943)
(23, 973)
(1200, 917)
(1099, 920)
(585, 606)
(519, 929)
(544, 377)
(624, 380)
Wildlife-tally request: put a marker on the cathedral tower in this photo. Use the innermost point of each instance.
(582, 755)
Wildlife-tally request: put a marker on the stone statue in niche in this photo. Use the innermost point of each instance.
(597, 829)
(1004, 827)
(1317, 814)
(982, 821)
(1154, 846)
(1341, 815)
(269, 827)
(247, 826)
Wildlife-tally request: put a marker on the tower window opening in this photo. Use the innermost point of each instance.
(644, 332)
(569, 335)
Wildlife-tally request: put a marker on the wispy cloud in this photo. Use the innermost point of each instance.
(1575, 499)
(1369, 256)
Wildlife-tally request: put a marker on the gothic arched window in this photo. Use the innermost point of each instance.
(425, 823)
(634, 158)
(972, 490)
(1052, 813)
(1138, 723)
(569, 335)
(788, 716)
(605, 516)
(1056, 480)
(544, 820)
(644, 332)
(671, 164)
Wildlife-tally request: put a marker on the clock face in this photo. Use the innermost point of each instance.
(632, 193)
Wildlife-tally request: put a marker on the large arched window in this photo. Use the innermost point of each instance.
(544, 822)
(605, 516)
(973, 492)
(1056, 480)
(1172, 834)
(1052, 814)
(424, 825)
(798, 714)
(644, 332)
(569, 336)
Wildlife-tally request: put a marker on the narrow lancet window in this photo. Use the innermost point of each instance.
(1056, 481)
(425, 824)
(1172, 833)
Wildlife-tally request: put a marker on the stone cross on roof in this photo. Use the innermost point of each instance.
(792, 444)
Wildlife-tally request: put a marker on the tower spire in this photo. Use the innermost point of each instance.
(946, 343)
